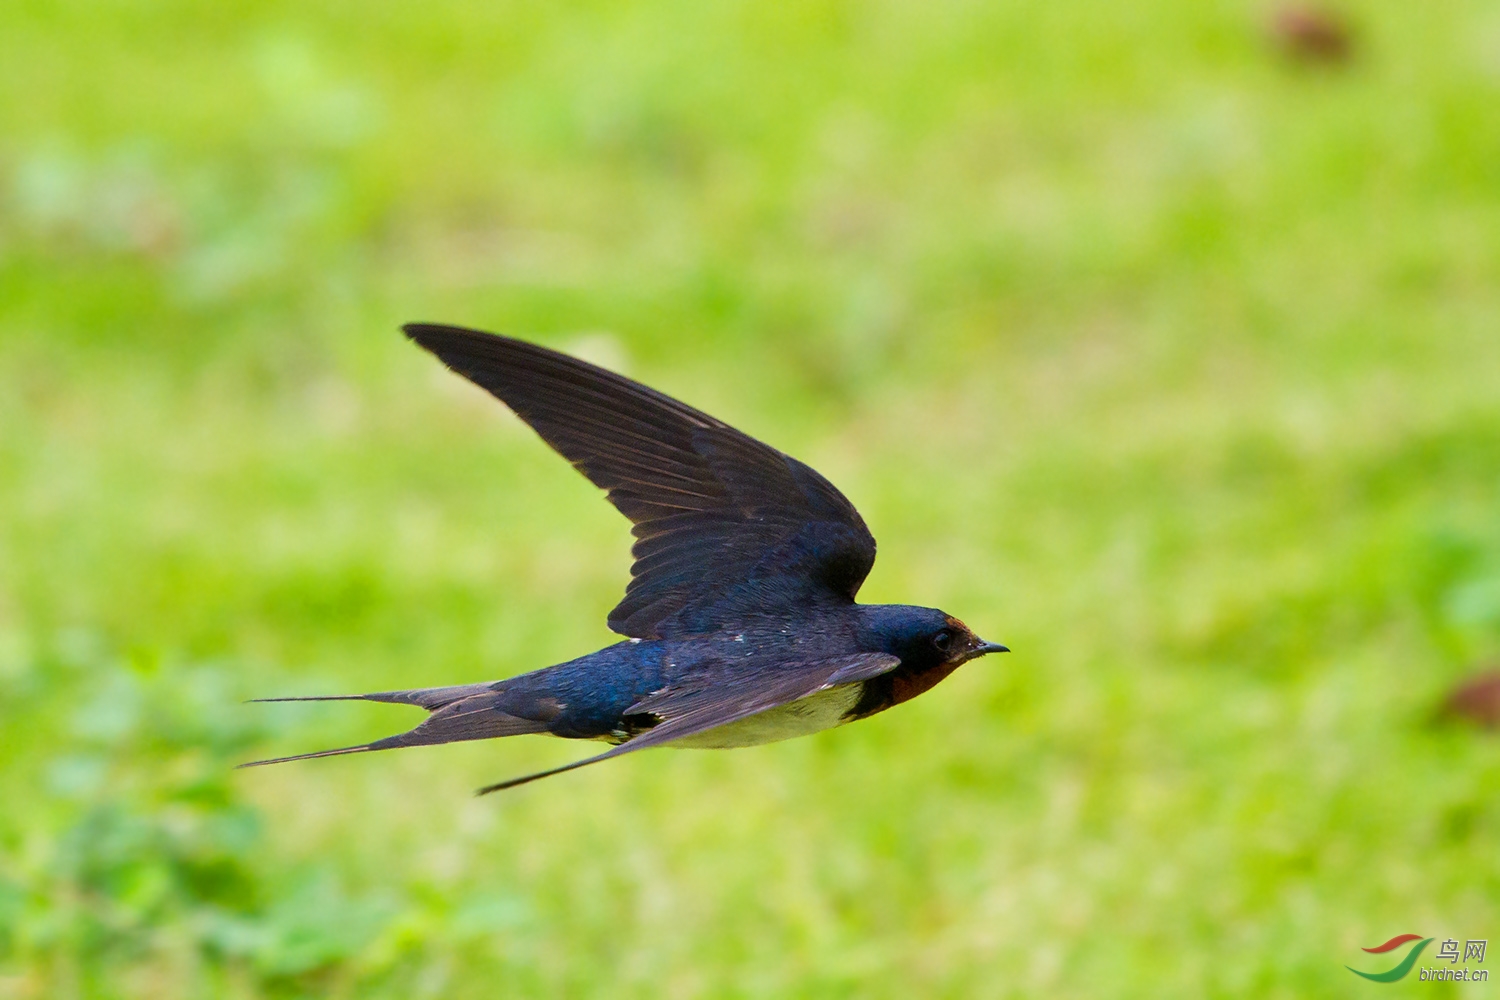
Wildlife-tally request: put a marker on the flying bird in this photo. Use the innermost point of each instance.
(740, 620)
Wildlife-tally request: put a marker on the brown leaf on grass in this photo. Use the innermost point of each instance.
(1476, 699)
(1312, 34)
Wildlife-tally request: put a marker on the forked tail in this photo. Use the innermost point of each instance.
(460, 712)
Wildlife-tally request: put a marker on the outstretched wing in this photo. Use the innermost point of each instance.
(719, 697)
(724, 525)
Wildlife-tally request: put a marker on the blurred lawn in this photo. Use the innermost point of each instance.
(1172, 364)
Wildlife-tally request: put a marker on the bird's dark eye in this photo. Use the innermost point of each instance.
(943, 640)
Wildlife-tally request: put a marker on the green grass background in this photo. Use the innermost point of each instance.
(1172, 364)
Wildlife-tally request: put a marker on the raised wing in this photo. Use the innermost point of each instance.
(725, 526)
(718, 697)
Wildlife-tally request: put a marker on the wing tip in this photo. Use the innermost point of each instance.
(427, 334)
(501, 786)
(460, 347)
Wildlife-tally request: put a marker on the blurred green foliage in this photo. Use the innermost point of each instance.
(1166, 359)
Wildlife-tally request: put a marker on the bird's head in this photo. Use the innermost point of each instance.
(925, 637)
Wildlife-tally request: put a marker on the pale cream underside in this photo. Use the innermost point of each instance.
(812, 714)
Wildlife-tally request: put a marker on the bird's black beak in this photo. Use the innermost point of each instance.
(990, 647)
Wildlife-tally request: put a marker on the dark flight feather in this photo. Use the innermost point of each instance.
(727, 693)
(726, 527)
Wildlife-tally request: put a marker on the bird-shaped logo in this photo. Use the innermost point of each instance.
(740, 616)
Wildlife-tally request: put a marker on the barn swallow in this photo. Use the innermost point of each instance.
(740, 621)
